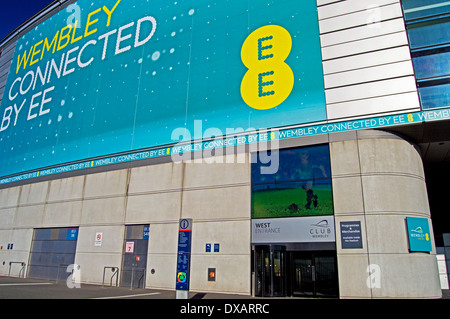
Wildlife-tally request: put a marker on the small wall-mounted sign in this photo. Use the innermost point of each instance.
(72, 234)
(129, 247)
(419, 234)
(351, 235)
(98, 239)
(146, 232)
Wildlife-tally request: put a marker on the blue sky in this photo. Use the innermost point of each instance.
(14, 12)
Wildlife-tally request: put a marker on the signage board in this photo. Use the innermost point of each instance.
(351, 235)
(98, 239)
(146, 232)
(184, 254)
(293, 230)
(129, 247)
(114, 76)
(419, 234)
(72, 234)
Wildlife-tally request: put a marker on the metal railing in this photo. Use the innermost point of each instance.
(141, 279)
(22, 270)
(115, 272)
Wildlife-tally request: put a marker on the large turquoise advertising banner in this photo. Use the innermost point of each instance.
(113, 76)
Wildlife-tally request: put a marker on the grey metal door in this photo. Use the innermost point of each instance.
(52, 251)
(134, 261)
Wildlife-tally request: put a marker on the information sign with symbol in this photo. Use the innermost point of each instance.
(184, 254)
(98, 239)
(129, 247)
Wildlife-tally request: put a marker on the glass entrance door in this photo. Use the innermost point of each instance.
(314, 274)
(326, 282)
(294, 273)
(270, 274)
(303, 283)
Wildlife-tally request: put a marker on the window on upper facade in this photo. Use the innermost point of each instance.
(428, 27)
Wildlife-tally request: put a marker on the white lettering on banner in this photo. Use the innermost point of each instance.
(7, 117)
(44, 101)
(434, 115)
(252, 139)
(75, 57)
(19, 79)
(85, 64)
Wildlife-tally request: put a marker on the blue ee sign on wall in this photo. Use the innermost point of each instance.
(419, 234)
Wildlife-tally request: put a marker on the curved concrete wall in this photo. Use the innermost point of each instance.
(378, 179)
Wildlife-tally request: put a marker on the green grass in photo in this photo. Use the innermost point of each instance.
(291, 203)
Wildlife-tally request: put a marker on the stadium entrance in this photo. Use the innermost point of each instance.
(280, 272)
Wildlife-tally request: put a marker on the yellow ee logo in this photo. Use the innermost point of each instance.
(269, 80)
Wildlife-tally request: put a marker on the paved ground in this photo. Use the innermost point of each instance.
(20, 288)
(30, 297)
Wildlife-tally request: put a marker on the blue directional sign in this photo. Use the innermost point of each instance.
(184, 254)
(72, 234)
(146, 232)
